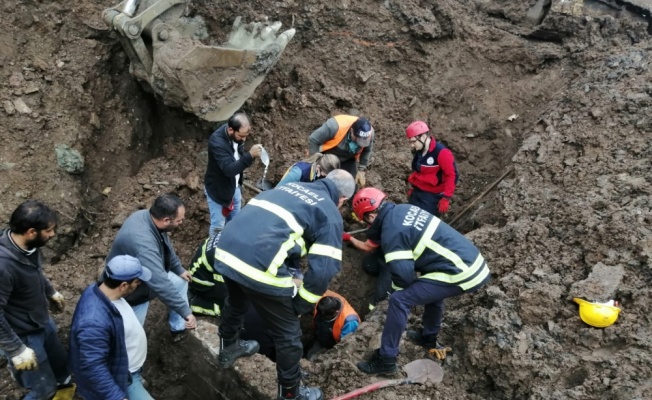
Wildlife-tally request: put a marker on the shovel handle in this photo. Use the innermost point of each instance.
(371, 388)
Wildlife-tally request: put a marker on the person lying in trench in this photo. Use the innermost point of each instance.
(333, 319)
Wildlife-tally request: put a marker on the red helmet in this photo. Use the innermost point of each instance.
(367, 200)
(416, 128)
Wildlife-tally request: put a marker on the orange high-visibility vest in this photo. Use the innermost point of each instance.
(344, 312)
(344, 122)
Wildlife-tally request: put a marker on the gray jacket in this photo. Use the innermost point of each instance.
(328, 131)
(139, 237)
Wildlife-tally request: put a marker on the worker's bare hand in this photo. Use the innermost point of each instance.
(191, 322)
(256, 150)
(185, 275)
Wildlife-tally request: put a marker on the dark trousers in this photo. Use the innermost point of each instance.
(426, 200)
(52, 359)
(374, 264)
(278, 316)
(421, 292)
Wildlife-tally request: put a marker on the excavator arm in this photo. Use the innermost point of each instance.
(168, 57)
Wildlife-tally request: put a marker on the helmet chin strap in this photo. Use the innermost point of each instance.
(423, 143)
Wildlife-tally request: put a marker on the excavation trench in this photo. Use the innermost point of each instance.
(561, 99)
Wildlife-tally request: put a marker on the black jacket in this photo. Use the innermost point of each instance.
(24, 293)
(223, 168)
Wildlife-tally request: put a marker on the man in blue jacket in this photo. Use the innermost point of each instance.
(415, 241)
(107, 343)
(227, 161)
(28, 335)
(254, 256)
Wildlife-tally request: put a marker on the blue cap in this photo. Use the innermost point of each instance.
(363, 131)
(126, 268)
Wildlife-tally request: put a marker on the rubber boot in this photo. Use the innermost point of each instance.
(378, 364)
(231, 350)
(298, 392)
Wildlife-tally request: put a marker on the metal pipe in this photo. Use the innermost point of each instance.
(130, 7)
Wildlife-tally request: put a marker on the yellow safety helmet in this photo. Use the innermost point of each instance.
(599, 315)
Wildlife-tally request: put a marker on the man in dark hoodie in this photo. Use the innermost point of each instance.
(28, 336)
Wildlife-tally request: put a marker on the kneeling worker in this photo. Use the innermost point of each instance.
(414, 240)
(206, 290)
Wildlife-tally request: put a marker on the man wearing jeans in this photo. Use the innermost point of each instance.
(144, 235)
(227, 161)
(28, 336)
(108, 345)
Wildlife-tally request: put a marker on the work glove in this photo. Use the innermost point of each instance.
(360, 179)
(444, 203)
(227, 210)
(65, 392)
(25, 361)
(346, 236)
(302, 306)
(58, 301)
(439, 352)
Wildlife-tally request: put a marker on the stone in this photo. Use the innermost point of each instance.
(6, 166)
(31, 88)
(16, 79)
(9, 107)
(119, 219)
(601, 284)
(70, 160)
(21, 107)
(95, 121)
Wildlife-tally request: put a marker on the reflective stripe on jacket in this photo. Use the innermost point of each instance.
(278, 226)
(201, 267)
(414, 241)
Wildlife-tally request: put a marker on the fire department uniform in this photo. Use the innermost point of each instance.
(434, 176)
(206, 290)
(255, 252)
(416, 242)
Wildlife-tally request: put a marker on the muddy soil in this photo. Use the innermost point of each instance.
(562, 99)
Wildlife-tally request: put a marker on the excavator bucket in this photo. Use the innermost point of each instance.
(168, 57)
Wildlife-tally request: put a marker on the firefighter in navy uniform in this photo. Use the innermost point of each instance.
(271, 234)
(414, 241)
(206, 290)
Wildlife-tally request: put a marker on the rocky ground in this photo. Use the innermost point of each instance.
(561, 97)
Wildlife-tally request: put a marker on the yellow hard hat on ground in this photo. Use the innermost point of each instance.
(600, 315)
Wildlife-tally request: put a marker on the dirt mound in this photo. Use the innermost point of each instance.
(573, 219)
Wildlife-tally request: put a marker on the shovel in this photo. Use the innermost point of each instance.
(264, 184)
(418, 371)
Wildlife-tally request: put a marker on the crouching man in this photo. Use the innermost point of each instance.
(413, 240)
